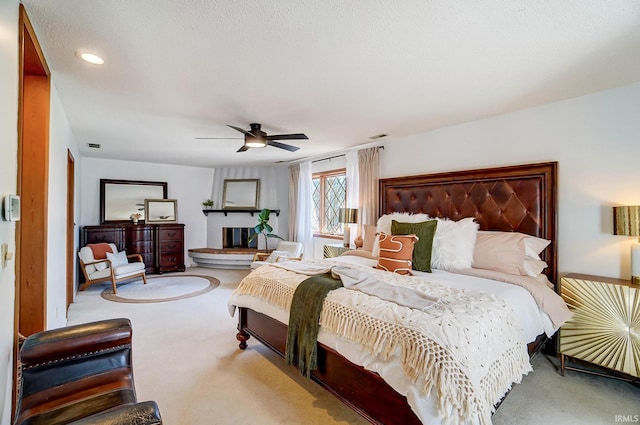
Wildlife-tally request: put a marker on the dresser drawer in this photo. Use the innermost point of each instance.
(170, 260)
(140, 248)
(170, 234)
(170, 247)
(101, 236)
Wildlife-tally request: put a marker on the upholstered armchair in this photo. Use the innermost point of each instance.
(100, 264)
(285, 250)
(80, 374)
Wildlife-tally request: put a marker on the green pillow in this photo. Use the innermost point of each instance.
(425, 232)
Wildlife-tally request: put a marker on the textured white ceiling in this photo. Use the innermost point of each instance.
(338, 70)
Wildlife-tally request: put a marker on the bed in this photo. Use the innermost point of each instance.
(518, 199)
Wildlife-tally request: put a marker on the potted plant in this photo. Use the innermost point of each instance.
(208, 204)
(264, 228)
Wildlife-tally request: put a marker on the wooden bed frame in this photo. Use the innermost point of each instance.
(517, 198)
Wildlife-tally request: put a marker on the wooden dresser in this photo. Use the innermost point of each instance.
(161, 245)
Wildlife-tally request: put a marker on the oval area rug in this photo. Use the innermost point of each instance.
(162, 289)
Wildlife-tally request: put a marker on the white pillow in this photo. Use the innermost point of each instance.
(454, 243)
(117, 259)
(534, 267)
(534, 246)
(384, 225)
(273, 257)
(101, 266)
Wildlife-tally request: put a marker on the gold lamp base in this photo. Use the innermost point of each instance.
(635, 280)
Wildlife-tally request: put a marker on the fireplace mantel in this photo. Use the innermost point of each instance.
(252, 212)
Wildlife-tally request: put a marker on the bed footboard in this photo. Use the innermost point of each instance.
(362, 390)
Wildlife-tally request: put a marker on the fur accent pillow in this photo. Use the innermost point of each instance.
(396, 252)
(454, 243)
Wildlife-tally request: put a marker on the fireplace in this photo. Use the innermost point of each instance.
(238, 237)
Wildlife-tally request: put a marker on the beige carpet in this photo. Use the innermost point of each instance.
(187, 359)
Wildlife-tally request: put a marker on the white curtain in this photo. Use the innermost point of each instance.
(294, 184)
(304, 231)
(369, 174)
(352, 179)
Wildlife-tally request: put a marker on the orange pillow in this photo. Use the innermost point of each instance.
(396, 252)
(99, 250)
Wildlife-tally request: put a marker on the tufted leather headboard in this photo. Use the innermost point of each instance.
(519, 198)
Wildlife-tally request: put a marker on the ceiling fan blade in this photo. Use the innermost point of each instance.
(297, 136)
(243, 148)
(282, 146)
(245, 132)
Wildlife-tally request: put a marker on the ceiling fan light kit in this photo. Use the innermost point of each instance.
(256, 138)
(255, 143)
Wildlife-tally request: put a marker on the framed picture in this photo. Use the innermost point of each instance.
(241, 194)
(160, 210)
(121, 198)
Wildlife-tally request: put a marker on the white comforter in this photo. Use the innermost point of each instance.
(530, 319)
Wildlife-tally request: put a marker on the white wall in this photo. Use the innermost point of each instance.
(595, 139)
(189, 185)
(274, 194)
(8, 182)
(60, 141)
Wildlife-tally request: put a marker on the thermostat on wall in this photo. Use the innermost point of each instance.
(12, 208)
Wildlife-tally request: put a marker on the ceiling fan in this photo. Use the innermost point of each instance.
(256, 138)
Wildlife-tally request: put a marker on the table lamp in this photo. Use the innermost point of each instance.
(348, 216)
(626, 222)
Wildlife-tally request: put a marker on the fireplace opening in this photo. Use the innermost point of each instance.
(238, 237)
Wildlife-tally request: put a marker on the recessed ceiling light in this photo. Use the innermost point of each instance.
(90, 57)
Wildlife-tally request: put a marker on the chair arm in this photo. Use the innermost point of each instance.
(75, 341)
(288, 259)
(138, 256)
(260, 256)
(144, 413)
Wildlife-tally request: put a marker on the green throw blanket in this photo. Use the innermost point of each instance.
(304, 321)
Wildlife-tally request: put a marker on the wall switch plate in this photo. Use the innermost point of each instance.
(4, 253)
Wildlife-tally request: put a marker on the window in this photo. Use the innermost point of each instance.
(329, 195)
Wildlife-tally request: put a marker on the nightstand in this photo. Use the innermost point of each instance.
(334, 250)
(605, 327)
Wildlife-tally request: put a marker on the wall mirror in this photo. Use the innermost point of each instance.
(161, 210)
(121, 198)
(241, 194)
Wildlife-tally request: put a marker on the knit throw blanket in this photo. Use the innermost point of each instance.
(304, 321)
(466, 349)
